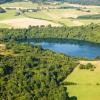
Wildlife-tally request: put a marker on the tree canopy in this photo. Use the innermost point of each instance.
(31, 73)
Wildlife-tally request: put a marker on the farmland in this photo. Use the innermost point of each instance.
(63, 14)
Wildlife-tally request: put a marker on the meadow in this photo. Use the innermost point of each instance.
(84, 92)
(88, 82)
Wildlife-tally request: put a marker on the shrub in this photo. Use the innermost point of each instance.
(87, 66)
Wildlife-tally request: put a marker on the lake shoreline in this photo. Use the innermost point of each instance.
(73, 48)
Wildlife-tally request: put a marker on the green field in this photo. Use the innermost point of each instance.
(9, 15)
(84, 92)
(87, 87)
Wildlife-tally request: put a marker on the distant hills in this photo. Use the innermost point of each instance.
(84, 2)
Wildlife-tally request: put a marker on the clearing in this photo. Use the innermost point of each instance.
(88, 82)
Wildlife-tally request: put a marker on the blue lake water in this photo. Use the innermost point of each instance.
(71, 48)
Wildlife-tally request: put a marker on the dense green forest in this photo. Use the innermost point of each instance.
(90, 33)
(31, 73)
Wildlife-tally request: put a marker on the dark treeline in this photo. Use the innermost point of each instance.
(84, 2)
(31, 73)
(95, 16)
(89, 33)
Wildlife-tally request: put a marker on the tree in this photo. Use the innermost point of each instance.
(1, 71)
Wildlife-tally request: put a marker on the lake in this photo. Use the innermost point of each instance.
(71, 48)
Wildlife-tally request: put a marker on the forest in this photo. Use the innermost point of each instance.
(89, 33)
(32, 73)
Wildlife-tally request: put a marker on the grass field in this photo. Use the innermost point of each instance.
(9, 15)
(87, 88)
(84, 92)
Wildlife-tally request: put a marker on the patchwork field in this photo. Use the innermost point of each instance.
(63, 14)
(88, 82)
